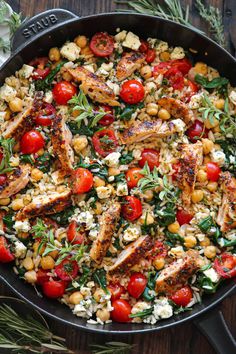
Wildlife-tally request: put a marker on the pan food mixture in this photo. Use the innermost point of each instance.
(117, 177)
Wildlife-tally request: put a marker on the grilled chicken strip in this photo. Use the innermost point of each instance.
(128, 64)
(146, 130)
(108, 223)
(15, 182)
(190, 161)
(176, 108)
(45, 204)
(226, 217)
(61, 140)
(131, 255)
(175, 275)
(93, 86)
(22, 123)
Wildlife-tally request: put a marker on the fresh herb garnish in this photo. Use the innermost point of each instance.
(217, 82)
(44, 162)
(206, 283)
(229, 148)
(46, 84)
(126, 112)
(8, 220)
(99, 276)
(172, 238)
(6, 146)
(27, 159)
(82, 130)
(112, 348)
(142, 314)
(126, 158)
(97, 169)
(208, 226)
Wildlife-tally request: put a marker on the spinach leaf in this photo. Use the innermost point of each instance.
(27, 159)
(166, 214)
(217, 82)
(173, 238)
(120, 177)
(82, 130)
(223, 242)
(97, 169)
(44, 162)
(205, 224)
(126, 158)
(8, 220)
(99, 276)
(127, 111)
(152, 277)
(205, 283)
(116, 244)
(46, 84)
(84, 277)
(229, 148)
(62, 217)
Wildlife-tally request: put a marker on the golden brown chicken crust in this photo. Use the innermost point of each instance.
(226, 217)
(16, 181)
(129, 63)
(17, 127)
(176, 108)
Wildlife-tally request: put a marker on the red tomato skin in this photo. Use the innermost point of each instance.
(82, 180)
(159, 250)
(133, 176)
(183, 296)
(176, 168)
(5, 254)
(223, 262)
(40, 74)
(132, 208)
(183, 65)
(151, 156)
(63, 91)
(101, 44)
(45, 115)
(143, 46)
(175, 78)
(31, 142)
(116, 291)
(3, 179)
(136, 285)
(42, 276)
(108, 118)
(101, 148)
(161, 68)
(132, 92)
(73, 235)
(39, 62)
(61, 271)
(196, 131)
(121, 311)
(150, 55)
(213, 171)
(183, 217)
(54, 288)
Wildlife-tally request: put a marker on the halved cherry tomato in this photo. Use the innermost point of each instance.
(121, 311)
(196, 131)
(161, 68)
(150, 55)
(82, 180)
(143, 46)
(45, 116)
(175, 77)
(132, 208)
(176, 168)
(183, 296)
(101, 44)
(40, 74)
(132, 176)
(42, 276)
(5, 254)
(192, 90)
(158, 250)
(41, 70)
(137, 284)
(73, 235)
(108, 118)
(67, 269)
(213, 171)
(183, 65)
(225, 265)
(116, 290)
(132, 91)
(54, 288)
(3, 179)
(63, 91)
(183, 217)
(31, 142)
(105, 141)
(151, 156)
(178, 65)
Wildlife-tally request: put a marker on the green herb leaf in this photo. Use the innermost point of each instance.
(112, 348)
(99, 277)
(46, 84)
(7, 147)
(142, 314)
(211, 84)
(44, 162)
(27, 159)
(8, 220)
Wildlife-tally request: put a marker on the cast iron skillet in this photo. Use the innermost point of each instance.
(53, 28)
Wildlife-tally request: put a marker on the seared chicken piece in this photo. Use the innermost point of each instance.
(226, 217)
(175, 275)
(190, 161)
(93, 86)
(132, 255)
(146, 130)
(45, 204)
(22, 123)
(108, 223)
(176, 108)
(16, 181)
(128, 64)
(61, 140)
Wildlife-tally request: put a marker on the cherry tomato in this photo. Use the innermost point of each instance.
(116, 290)
(183, 296)
(73, 235)
(5, 254)
(40, 74)
(82, 180)
(42, 276)
(143, 46)
(132, 208)
(150, 55)
(183, 217)
(158, 250)
(3, 179)
(31, 142)
(137, 284)
(45, 115)
(213, 171)
(63, 91)
(105, 141)
(41, 70)
(1, 156)
(176, 168)
(108, 118)
(225, 265)
(161, 68)
(183, 65)
(67, 269)
(101, 44)
(196, 131)
(192, 90)
(132, 91)
(151, 156)
(39, 62)
(175, 77)
(133, 176)
(121, 311)
(54, 288)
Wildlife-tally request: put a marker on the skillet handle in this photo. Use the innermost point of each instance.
(41, 23)
(214, 327)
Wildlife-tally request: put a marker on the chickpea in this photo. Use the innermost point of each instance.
(113, 171)
(210, 251)
(35, 248)
(98, 208)
(47, 262)
(190, 241)
(146, 72)
(163, 114)
(5, 201)
(212, 186)
(16, 105)
(158, 263)
(54, 54)
(81, 41)
(31, 276)
(36, 174)
(53, 254)
(197, 195)
(27, 199)
(86, 51)
(152, 109)
(219, 103)
(174, 227)
(80, 143)
(28, 263)
(98, 182)
(201, 176)
(7, 115)
(146, 219)
(103, 314)
(206, 159)
(99, 295)
(206, 242)
(17, 204)
(67, 76)
(164, 56)
(209, 124)
(148, 195)
(200, 68)
(40, 152)
(207, 145)
(216, 129)
(75, 298)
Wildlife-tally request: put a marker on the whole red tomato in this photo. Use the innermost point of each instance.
(5, 254)
(105, 142)
(45, 116)
(183, 296)
(73, 235)
(102, 44)
(183, 217)
(196, 131)
(213, 171)
(132, 92)
(151, 156)
(121, 311)
(132, 176)
(150, 55)
(63, 91)
(82, 180)
(54, 288)
(31, 142)
(116, 290)
(67, 269)
(137, 284)
(132, 208)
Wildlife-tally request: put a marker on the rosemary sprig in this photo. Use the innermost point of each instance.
(14, 21)
(6, 150)
(112, 348)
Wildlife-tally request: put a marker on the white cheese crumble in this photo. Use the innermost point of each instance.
(20, 249)
(212, 274)
(14, 161)
(232, 97)
(104, 192)
(119, 37)
(179, 125)
(112, 160)
(218, 156)
(48, 97)
(22, 226)
(85, 217)
(7, 93)
(70, 51)
(115, 87)
(132, 233)
(26, 71)
(122, 189)
(162, 309)
(131, 41)
(178, 53)
(161, 47)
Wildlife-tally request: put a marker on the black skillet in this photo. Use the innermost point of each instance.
(53, 28)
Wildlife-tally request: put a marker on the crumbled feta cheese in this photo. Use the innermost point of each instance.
(111, 178)
(14, 161)
(178, 53)
(179, 125)
(231, 235)
(93, 234)
(104, 192)
(115, 87)
(177, 251)
(84, 309)
(132, 233)
(7, 93)
(26, 71)
(218, 156)
(86, 217)
(48, 97)
(151, 85)
(22, 226)
(195, 101)
(120, 37)
(232, 97)
(112, 160)
(131, 41)
(20, 249)
(161, 47)
(162, 309)
(212, 274)
(122, 189)
(90, 68)
(137, 154)
(107, 66)
(70, 51)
